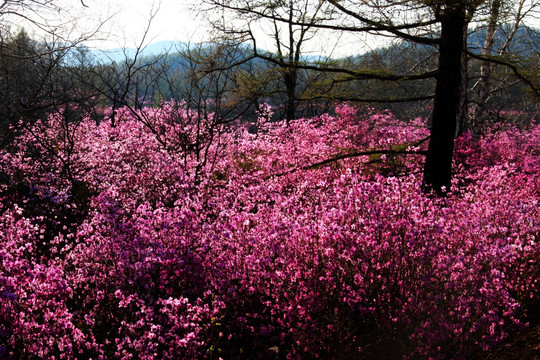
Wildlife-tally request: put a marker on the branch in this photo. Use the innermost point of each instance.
(352, 155)
(361, 153)
(229, 66)
(355, 75)
(373, 100)
(513, 67)
(372, 25)
(393, 29)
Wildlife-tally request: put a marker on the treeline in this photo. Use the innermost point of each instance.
(41, 77)
(37, 80)
(461, 64)
(229, 71)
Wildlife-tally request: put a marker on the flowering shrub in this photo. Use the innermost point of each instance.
(136, 240)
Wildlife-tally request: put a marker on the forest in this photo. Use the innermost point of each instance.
(220, 200)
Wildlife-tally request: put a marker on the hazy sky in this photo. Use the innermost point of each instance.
(126, 20)
(123, 24)
(173, 20)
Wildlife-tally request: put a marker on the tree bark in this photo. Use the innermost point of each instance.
(463, 116)
(290, 78)
(485, 69)
(438, 165)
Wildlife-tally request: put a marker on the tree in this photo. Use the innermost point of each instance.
(441, 24)
(193, 87)
(33, 13)
(37, 78)
(38, 75)
(438, 165)
(287, 25)
(504, 18)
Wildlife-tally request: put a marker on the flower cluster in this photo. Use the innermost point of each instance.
(162, 236)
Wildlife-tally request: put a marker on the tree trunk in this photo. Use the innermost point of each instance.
(485, 70)
(290, 78)
(438, 165)
(463, 116)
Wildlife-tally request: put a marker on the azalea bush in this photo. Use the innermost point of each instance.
(157, 236)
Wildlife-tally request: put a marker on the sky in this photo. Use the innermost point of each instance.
(123, 24)
(125, 21)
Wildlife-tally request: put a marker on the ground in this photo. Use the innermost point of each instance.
(525, 346)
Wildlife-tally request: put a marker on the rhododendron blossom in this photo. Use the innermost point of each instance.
(157, 236)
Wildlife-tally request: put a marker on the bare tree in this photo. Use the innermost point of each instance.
(441, 24)
(36, 72)
(505, 18)
(41, 14)
(194, 82)
(283, 25)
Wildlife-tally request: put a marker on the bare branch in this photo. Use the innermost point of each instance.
(500, 61)
(355, 154)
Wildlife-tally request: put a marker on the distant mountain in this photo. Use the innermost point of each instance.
(525, 43)
(120, 54)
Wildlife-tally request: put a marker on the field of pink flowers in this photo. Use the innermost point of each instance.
(174, 238)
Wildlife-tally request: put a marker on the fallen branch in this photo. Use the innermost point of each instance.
(355, 154)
